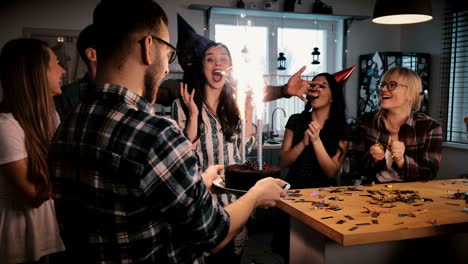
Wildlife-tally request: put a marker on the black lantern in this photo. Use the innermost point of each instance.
(315, 56)
(244, 51)
(245, 54)
(281, 62)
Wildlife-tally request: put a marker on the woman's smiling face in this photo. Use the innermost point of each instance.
(216, 66)
(55, 73)
(394, 94)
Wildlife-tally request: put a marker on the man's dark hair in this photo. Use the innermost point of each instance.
(86, 39)
(116, 20)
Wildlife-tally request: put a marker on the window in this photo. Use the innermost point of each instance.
(264, 37)
(454, 77)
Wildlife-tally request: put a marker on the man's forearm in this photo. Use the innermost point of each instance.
(275, 92)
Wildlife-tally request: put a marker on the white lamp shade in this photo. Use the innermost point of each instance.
(398, 12)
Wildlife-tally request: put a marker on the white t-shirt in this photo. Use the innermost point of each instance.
(26, 234)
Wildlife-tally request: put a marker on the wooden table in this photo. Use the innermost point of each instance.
(375, 230)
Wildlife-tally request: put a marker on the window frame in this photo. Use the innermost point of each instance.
(454, 92)
(335, 39)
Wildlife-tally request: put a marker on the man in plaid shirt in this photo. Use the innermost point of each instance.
(126, 181)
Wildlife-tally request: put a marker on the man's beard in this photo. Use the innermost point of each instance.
(151, 85)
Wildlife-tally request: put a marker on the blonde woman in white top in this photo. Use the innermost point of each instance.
(30, 75)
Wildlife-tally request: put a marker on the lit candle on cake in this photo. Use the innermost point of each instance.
(241, 97)
(259, 144)
(258, 85)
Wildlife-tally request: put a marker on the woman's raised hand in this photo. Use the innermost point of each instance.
(188, 100)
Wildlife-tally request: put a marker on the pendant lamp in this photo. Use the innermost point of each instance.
(397, 12)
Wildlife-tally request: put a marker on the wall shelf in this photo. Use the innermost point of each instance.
(275, 14)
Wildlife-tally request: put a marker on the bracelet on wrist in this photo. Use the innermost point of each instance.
(283, 91)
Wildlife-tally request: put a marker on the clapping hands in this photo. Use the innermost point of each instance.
(397, 149)
(312, 133)
(377, 151)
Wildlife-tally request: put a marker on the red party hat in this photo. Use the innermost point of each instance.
(342, 76)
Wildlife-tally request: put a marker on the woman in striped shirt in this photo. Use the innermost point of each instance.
(210, 119)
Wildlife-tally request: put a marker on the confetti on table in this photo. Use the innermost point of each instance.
(349, 217)
(433, 222)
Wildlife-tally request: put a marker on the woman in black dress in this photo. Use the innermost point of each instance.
(316, 140)
(314, 146)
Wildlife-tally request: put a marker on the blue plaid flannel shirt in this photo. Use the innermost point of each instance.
(127, 187)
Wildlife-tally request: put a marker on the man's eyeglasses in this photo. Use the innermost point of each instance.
(390, 85)
(172, 54)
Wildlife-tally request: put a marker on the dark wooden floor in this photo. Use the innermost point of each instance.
(258, 247)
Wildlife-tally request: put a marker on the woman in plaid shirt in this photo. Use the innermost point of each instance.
(397, 143)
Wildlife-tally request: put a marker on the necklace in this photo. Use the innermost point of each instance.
(209, 110)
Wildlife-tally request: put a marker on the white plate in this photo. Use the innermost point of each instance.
(219, 183)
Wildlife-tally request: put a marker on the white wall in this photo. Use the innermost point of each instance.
(364, 37)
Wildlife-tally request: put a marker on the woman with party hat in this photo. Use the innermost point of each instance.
(316, 141)
(314, 145)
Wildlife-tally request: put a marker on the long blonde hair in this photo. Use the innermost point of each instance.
(413, 81)
(23, 75)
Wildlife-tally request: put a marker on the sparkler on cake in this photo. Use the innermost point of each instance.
(250, 80)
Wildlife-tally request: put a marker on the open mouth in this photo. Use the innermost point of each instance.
(222, 72)
(218, 75)
(386, 97)
(313, 93)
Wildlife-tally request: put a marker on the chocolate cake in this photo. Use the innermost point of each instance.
(243, 177)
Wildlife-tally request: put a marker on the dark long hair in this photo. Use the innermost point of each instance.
(337, 116)
(227, 112)
(23, 75)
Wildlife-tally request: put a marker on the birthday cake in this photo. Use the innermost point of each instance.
(244, 176)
